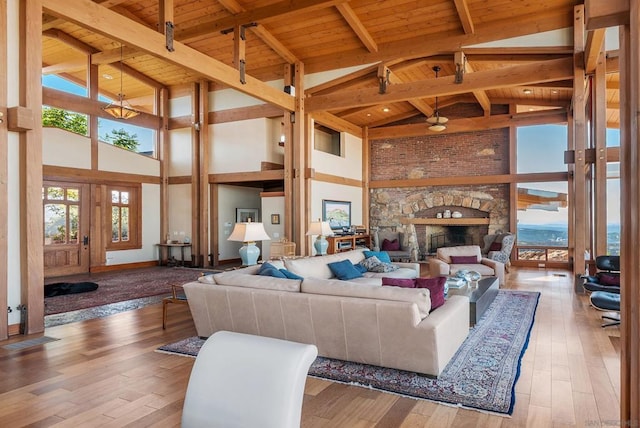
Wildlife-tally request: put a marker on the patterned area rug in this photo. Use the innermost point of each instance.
(481, 375)
(120, 286)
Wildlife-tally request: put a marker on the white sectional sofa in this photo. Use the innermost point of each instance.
(354, 321)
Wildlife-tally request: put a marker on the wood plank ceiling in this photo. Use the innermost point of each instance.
(405, 37)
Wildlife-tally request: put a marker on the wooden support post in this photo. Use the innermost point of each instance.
(31, 219)
(578, 181)
(301, 144)
(366, 176)
(630, 221)
(203, 171)
(599, 120)
(513, 169)
(92, 79)
(164, 156)
(239, 51)
(289, 168)
(195, 175)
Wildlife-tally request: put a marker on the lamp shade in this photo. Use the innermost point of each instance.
(322, 229)
(319, 228)
(249, 233)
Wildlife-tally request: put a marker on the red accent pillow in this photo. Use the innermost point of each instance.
(496, 246)
(464, 260)
(390, 245)
(399, 282)
(608, 279)
(436, 289)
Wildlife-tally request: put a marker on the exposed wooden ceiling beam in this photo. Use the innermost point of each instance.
(65, 67)
(470, 124)
(422, 106)
(465, 16)
(337, 123)
(613, 85)
(263, 34)
(595, 40)
(113, 55)
(558, 69)
(138, 75)
(481, 96)
(356, 25)
(343, 82)
(392, 119)
(417, 48)
(83, 13)
(49, 21)
(258, 15)
(68, 40)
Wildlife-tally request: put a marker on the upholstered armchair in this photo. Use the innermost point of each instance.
(498, 247)
(449, 260)
(396, 244)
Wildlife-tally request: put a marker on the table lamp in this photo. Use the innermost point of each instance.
(322, 229)
(249, 233)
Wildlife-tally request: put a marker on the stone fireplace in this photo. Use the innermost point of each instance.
(484, 210)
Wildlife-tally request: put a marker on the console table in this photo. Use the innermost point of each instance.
(340, 243)
(162, 248)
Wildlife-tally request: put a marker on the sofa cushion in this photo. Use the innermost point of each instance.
(436, 289)
(484, 270)
(445, 253)
(334, 287)
(399, 282)
(400, 273)
(207, 279)
(393, 245)
(459, 260)
(257, 281)
(344, 270)
(383, 256)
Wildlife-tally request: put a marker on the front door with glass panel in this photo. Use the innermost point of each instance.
(66, 228)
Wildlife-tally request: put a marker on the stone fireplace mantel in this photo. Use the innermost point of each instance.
(446, 221)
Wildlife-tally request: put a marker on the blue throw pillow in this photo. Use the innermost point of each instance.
(383, 256)
(290, 275)
(360, 268)
(267, 269)
(344, 270)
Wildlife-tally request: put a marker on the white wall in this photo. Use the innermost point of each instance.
(180, 152)
(349, 165)
(117, 159)
(230, 198)
(272, 205)
(239, 146)
(65, 148)
(179, 196)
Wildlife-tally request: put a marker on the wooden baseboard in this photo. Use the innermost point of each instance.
(109, 268)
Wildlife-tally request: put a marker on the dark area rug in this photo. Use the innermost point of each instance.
(120, 286)
(481, 375)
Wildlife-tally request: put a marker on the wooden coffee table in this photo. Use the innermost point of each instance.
(480, 297)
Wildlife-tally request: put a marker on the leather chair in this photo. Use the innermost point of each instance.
(608, 302)
(607, 278)
(449, 260)
(241, 380)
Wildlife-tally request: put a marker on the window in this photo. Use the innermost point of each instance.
(613, 208)
(327, 140)
(61, 215)
(541, 148)
(124, 209)
(134, 138)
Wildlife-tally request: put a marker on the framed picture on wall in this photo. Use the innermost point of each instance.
(337, 213)
(275, 218)
(244, 215)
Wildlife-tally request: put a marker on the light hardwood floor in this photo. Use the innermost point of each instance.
(105, 372)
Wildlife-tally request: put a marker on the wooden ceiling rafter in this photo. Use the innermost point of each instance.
(49, 21)
(80, 12)
(465, 16)
(258, 15)
(357, 26)
(415, 47)
(481, 96)
(262, 33)
(595, 41)
(482, 80)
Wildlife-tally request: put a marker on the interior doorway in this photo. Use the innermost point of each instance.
(66, 228)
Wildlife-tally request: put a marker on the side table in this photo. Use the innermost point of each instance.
(162, 248)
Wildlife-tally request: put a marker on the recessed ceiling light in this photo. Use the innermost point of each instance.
(527, 91)
(554, 91)
(385, 109)
(107, 76)
(368, 114)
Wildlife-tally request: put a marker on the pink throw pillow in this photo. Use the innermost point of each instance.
(399, 282)
(436, 289)
(464, 260)
(390, 245)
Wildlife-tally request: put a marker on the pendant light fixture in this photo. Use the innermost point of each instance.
(437, 122)
(121, 109)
